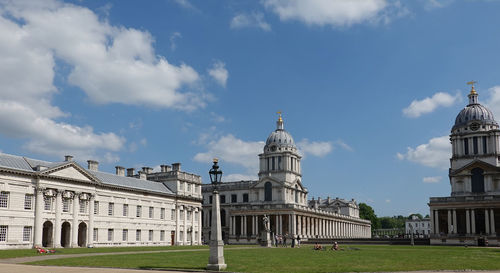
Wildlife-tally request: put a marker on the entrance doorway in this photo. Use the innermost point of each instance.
(47, 240)
(82, 234)
(172, 238)
(65, 234)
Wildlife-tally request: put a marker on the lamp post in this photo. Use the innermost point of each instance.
(216, 259)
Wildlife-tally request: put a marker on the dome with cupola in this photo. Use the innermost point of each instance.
(474, 114)
(279, 139)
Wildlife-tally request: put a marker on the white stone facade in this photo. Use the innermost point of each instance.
(471, 214)
(420, 228)
(64, 205)
(280, 195)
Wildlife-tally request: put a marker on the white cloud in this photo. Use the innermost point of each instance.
(343, 145)
(387, 200)
(434, 4)
(336, 13)
(315, 148)
(428, 105)
(173, 38)
(255, 19)
(233, 150)
(219, 73)
(186, 4)
(431, 179)
(436, 153)
(493, 102)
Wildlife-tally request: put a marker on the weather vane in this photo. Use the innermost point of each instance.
(472, 90)
(279, 113)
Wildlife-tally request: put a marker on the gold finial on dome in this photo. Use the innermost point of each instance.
(472, 90)
(279, 118)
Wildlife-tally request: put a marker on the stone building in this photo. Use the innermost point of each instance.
(421, 228)
(61, 204)
(472, 212)
(280, 194)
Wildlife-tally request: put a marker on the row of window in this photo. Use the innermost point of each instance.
(234, 198)
(275, 163)
(475, 145)
(138, 234)
(189, 187)
(27, 231)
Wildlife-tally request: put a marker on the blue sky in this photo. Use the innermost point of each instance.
(369, 89)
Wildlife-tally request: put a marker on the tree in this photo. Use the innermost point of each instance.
(366, 212)
(418, 215)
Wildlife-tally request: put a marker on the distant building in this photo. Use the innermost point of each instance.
(61, 204)
(472, 213)
(280, 194)
(419, 227)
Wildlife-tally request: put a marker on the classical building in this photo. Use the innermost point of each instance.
(421, 228)
(472, 212)
(280, 194)
(61, 204)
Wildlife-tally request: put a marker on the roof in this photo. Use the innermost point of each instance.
(130, 182)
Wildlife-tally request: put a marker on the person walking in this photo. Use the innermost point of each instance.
(298, 240)
(284, 239)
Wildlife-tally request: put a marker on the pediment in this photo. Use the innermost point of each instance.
(465, 170)
(70, 171)
(263, 181)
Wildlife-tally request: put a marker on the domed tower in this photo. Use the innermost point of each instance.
(280, 167)
(475, 149)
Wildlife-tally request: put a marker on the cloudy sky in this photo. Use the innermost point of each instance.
(369, 89)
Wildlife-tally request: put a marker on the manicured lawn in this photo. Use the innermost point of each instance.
(14, 253)
(353, 258)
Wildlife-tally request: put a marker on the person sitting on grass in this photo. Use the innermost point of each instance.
(335, 246)
(318, 247)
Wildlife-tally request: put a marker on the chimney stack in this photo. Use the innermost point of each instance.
(68, 158)
(130, 172)
(165, 168)
(142, 175)
(176, 167)
(120, 170)
(147, 170)
(93, 165)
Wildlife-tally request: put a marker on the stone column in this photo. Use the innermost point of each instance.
(216, 260)
(38, 217)
(184, 234)
(200, 227)
(244, 225)
(276, 225)
(299, 225)
(76, 210)
(432, 221)
(467, 221)
(254, 229)
(293, 231)
(492, 222)
(177, 224)
(436, 221)
(473, 222)
(455, 224)
(90, 231)
(487, 220)
(57, 222)
(192, 226)
(450, 230)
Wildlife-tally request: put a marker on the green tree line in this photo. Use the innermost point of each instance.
(367, 212)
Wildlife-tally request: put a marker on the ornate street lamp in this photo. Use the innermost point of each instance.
(216, 259)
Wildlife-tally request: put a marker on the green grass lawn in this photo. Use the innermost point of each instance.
(353, 258)
(15, 253)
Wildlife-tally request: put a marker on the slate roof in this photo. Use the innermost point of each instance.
(28, 164)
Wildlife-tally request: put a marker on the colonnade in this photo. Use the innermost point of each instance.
(304, 226)
(470, 226)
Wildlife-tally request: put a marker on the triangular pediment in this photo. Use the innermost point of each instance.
(70, 171)
(263, 181)
(475, 164)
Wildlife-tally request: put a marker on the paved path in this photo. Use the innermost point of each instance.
(21, 268)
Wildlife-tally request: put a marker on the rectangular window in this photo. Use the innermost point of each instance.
(151, 212)
(27, 234)
(223, 199)
(111, 209)
(181, 186)
(3, 233)
(83, 206)
(28, 201)
(188, 187)
(172, 215)
(125, 235)
(189, 213)
(162, 213)
(138, 211)
(210, 199)
(96, 207)
(273, 164)
(65, 204)
(475, 145)
(485, 147)
(466, 146)
(245, 197)
(234, 198)
(150, 237)
(181, 214)
(110, 234)
(125, 209)
(47, 203)
(279, 162)
(138, 235)
(96, 233)
(162, 235)
(4, 199)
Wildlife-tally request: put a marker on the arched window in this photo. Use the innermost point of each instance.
(477, 180)
(296, 194)
(268, 191)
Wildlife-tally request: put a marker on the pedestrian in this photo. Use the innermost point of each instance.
(298, 240)
(276, 240)
(293, 241)
(284, 239)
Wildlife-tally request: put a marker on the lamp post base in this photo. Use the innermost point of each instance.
(216, 267)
